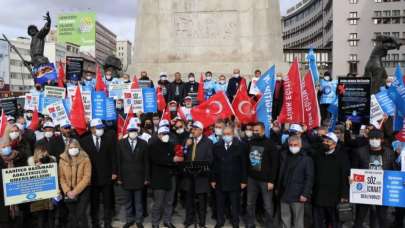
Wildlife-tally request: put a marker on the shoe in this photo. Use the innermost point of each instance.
(155, 226)
(128, 224)
(169, 225)
(187, 224)
(139, 225)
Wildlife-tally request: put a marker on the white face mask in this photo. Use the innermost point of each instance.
(209, 78)
(73, 151)
(165, 138)
(48, 134)
(14, 135)
(133, 135)
(180, 131)
(108, 77)
(99, 132)
(249, 133)
(20, 126)
(375, 143)
(221, 82)
(218, 131)
(191, 79)
(236, 75)
(294, 149)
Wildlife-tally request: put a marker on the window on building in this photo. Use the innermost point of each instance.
(387, 13)
(353, 36)
(377, 21)
(377, 1)
(396, 13)
(353, 15)
(377, 13)
(353, 68)
(353, 1)
(395, 34)
(353, 43)
(386, 33)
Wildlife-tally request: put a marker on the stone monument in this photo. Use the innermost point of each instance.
(200, 35)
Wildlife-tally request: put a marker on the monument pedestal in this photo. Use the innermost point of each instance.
(196, 36)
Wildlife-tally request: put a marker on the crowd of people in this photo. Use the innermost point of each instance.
(297, 177)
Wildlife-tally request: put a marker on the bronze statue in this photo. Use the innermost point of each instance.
(374, 67)
(38, 42)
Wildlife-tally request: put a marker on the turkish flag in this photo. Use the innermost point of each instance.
(35, 120)
(130, 115)
(200, 91)
(77, 115)
(243, 106)
(292, 110)
(120, 126)
(3, 123)
(217, 107)
(312, 116)
(243, 86)
(161, 102)
(180, 113)
(100, 85)
(358, 178)
(166, 114)
(61, 75)
(135, 83)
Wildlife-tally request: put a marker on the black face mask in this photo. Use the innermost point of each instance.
(38, 88)
(45, 160)
(257, 136)
(148, 126)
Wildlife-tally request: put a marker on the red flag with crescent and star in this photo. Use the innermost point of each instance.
(100, 85)
(161, 103)
(135, 83)
(312, 116)
(213, 109)
(243, 106)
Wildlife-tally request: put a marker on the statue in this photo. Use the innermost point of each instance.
(374, 67)
(38, 42)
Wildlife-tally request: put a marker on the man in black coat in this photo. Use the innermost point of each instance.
(331, 184)
(177, 89)
(101, 146)
(133, 172)
(198, 149)
(164, 84)
(162, 158)
(376, 156)
(263, 163)
(295, 182)
(229, 175)
(191, 87)
(48, 128)
(233, 84)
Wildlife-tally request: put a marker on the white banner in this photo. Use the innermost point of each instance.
(133, 97)
(31, 101)
(366, 186)
(53, 91)
(376, 112)
(86, 97)
(58, 113)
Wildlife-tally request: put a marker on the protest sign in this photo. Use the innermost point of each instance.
(376, 112)
(394, 189)
(354, 99)
(134, 98)
(110, 113)
(98, 105)
(386, 103)
(145, 83)
(53, 91)
(32, 101)
(116, 90)
(9, 105)
(45, 101)
(30, 183)
(44, 73)
(253, 88)
(328, 91)
(74, 68)
(86, 97)
(149, 100)
(57, 112)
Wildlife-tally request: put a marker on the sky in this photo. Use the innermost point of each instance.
(117, 15)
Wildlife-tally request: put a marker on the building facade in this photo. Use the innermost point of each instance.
(106, 42)
(124, 52)
(20, 78)
(344, 32)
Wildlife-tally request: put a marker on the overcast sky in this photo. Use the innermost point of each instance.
(117, 15)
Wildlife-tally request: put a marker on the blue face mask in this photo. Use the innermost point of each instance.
(227, 138)
(6, 151)
(284, 138)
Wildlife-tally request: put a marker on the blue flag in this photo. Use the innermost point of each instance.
(313, 68)
(386, 103)
(149, 100)
(333, 109)
(98, 105)
(264, 108)
(110, 112)
(398, 76)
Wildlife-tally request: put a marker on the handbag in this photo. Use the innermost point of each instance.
(345, 212)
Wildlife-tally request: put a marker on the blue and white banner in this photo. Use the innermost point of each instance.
(116, 91)
(110, 112)
(313, 68)
(149, 100)
(397, 95)
(33, 101)
(44, 73)
(386, 103)
(328, 91)
(264, 108)
(98, 101)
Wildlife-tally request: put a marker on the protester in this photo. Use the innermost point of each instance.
(263, 165)
(75, 173)
(89, 80)
(133, 173)
(144, 77)
(198, 149)
(48, 128)
(162, 176)
(218, 131)
(101, 148)
(164, 84)
(229, 175)
(233, 84)
(191, 87)
(186, 109)
(221, 84)
(209, 85)
(252, 89)
(177, 90)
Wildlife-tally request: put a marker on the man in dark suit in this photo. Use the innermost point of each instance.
(198, 149)
(58, 142)
(233, 84)
(229, 175)
(100, 146)
(177, 89)
(133, 172)
(48, 128)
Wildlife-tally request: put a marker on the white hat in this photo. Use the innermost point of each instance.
(48, 124)
(133, 125)
(164, 123)
(198, 124)
(10, 118)
(296, 128)
(97, 123)
(163, 130)
(65, 124)
(332, 136)
(163, 73)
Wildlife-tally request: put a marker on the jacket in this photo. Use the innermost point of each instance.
(361, 158)
(233, 86)
(74, 172)
(132, 166)
(177, 91)
(229, 166)
(162, 167)
(263, 160)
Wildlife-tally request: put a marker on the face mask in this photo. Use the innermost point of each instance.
(236, 75)
(6, 151)
(133, 135)
(119, 106)
(218, 131)
(89, 78)
(209, 78)
(189, 105)
(73, 151)
(375, 143)
(180, 131)
(279, 78)
(14, 135)
(222, 82)
(108, 77)
(173, 109)
(165, 138)
(20, 126)
(327, 78)
(99, 132)
(227, 138)
(249, 133)
(294, 149)
(48, 134)
(191, 79)
(163, 78)
(389, 84)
